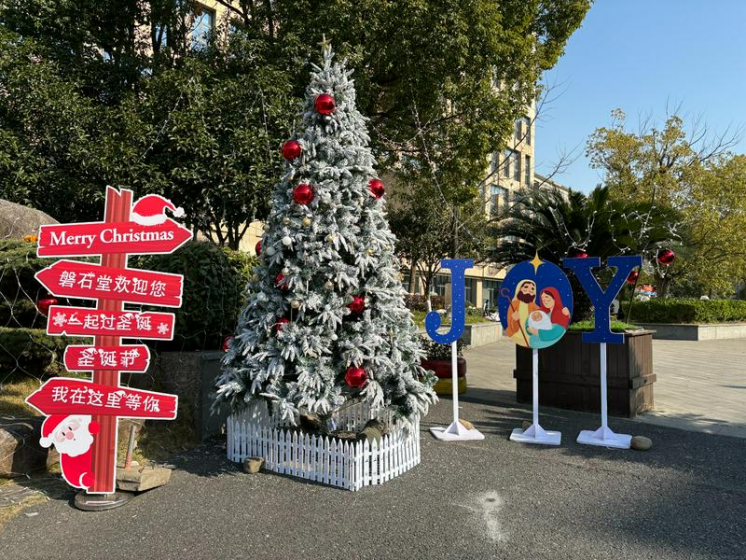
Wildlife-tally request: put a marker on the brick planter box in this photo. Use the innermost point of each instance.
(569, 374)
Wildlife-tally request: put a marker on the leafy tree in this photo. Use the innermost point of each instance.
(117, 95)
(691, 176)
(112, 92)
(437, 111)
(428, 228)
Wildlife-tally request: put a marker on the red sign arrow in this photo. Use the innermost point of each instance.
(63, 395)
(135, 358)
(100, 238)
(92, 281)
(86, 321)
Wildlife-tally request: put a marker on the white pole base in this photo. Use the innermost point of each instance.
(536, 434)
(456, 432)
(604, 437)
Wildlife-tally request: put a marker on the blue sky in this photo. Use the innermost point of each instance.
(642, 56)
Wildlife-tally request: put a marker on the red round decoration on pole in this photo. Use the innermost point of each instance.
(303, 194)
(280, 282)
(325, 104)
(44, 304)
(357, 305)
(376, 187)
(633, 276)
(227, 343)
(666, 257)
(258, 248)
(280, 324)
(291, 150)
(356, 377)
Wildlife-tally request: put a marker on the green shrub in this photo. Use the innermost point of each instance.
(437, 351)
(589, 324)
(214, 292)
(684, 310)
(32, 352)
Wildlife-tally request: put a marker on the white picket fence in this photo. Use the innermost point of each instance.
(349, 464)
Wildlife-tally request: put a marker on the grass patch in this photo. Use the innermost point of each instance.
(616, 326)
(13, 397)
(419, 319)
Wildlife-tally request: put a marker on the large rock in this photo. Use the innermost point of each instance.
(17, 221)
(20, 452)
(139, 479)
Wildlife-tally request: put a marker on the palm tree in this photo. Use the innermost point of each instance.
(558, 226)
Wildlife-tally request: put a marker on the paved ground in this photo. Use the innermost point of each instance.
(701, 386)
(493, 499)
(483, 500)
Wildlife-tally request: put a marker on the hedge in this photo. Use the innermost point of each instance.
(686, 310)
(32, 352)
(215, 281)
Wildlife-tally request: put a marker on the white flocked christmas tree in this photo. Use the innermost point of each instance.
(325, 322)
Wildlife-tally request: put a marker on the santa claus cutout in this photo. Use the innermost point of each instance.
(72, 437)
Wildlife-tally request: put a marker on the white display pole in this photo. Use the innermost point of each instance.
(604, 437)
(456, 431)
(535, 433)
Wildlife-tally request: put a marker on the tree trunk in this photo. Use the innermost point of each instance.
(412, 277)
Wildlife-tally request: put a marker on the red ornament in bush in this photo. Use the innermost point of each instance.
(325, 104)
(227, 343)
(633, 276)
(666, 257)
(578, 254)
(377, 188)
(44, 304)
(357, 305)
(303, 194)
(258, 248)
(280, 324)
(281, 283)
(291, 150)
(356, 377)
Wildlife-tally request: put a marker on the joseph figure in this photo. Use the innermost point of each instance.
(523, 304)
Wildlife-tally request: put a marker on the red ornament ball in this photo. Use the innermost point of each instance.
(376, 187)
(258, 248)
(325, 104)
(291, 150)
(44, 304)
(227, 343)
(666, 257)
(280, 282)
(633, 276)
(303, 194)
(357, 305)
(356, 377)
(280, 324)
(579, 254)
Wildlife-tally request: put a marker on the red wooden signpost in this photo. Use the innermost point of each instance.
(112, 284)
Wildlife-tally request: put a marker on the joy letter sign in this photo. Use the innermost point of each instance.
(82, 415)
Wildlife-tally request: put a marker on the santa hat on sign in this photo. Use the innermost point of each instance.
(150, 210)
(49, 426)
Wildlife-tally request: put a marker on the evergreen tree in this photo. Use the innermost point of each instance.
(325, 320)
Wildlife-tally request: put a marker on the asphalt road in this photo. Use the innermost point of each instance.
(492, 499)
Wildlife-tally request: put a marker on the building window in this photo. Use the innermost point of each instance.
(204, 24)
(495, 194)
(471, 291)
(506, 163)
(490, 293)
(494, 163)
(439, 282)
(516, 167)
(528, 130)
(519, 130)
(528, 170)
